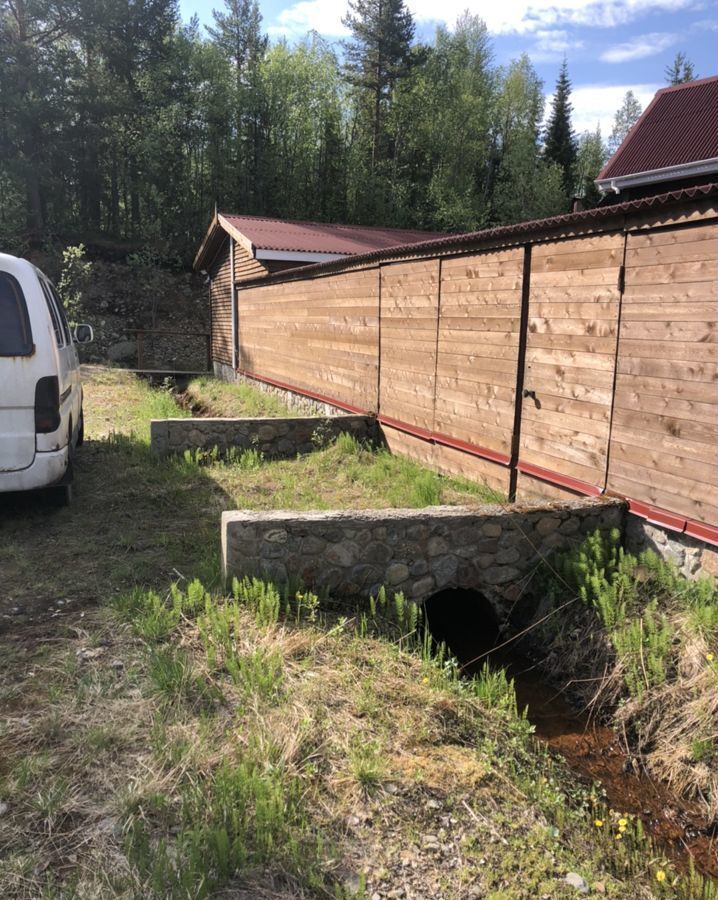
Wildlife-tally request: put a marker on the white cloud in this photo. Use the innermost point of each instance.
(597, 104)
(551, 45)
(640, 47)
(505, 17)
(324, 16)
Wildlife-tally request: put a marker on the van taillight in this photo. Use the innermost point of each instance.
(47, 405)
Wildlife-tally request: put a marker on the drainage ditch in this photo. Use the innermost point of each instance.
(465, 621)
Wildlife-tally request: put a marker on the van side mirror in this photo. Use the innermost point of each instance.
(84, 334)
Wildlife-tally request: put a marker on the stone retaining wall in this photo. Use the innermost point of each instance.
(691, 556)
(275, 438)
(298, 403)
(492, 549)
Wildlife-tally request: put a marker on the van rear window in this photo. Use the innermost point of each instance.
(15, 334)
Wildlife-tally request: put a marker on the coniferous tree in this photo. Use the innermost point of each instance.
(680, 70)
(626, 117)
(377, 57)
(237, 34)
(119, 124)
(560, 144)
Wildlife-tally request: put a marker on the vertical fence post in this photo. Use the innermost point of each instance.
(520, 369)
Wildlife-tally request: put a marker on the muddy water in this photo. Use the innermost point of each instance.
(595, 753)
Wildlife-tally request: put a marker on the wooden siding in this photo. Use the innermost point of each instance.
(320, 335)
(409, 312)
(478, 343)
(530, 488)
(245, 266)
(221, 306)
(664, 438)
(570, 355)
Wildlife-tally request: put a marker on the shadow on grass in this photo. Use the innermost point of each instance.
(134, 520)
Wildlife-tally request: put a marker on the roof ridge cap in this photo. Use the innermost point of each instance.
(669, 88)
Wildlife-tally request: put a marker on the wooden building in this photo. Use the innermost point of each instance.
(239, 247)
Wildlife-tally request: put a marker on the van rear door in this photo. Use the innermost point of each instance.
(17, 384)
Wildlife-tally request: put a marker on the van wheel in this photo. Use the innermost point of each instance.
(81, 430)
(60, 496)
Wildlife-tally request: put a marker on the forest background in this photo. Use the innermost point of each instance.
(124, 128)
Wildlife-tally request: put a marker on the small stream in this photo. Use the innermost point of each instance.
(465, 621)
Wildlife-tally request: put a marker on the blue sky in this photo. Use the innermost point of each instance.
(611, 46)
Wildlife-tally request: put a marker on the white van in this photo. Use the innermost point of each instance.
(41, 419)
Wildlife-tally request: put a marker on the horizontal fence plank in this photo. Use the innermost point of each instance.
(447, 337)
(655, 462)
(677, 503)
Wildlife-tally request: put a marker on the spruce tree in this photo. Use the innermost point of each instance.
(680, 71)
(378, 55)
(560, 145)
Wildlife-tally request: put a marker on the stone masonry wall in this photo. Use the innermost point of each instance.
(299, 403)
(489, 548)
(692, 557)
(275, 438)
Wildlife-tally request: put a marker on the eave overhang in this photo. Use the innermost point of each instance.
(655, 176)
(299, 256)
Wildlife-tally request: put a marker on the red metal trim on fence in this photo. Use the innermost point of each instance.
(707, 533)
(502, 459)
(313, 395)
(566, 481)
(406, 427)
(657, 516)
(436, 437)
(652, 514)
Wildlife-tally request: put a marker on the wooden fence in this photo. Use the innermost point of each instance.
(577, 360)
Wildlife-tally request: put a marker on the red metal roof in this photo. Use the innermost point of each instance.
(679, 126)
(322, 237)
(507, 233)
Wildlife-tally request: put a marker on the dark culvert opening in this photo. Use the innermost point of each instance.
(465, 621)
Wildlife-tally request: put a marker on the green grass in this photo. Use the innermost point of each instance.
(651, 642)
(160, 739)
(197, 776)
(346, 474)
(220, 398)
(146, 520)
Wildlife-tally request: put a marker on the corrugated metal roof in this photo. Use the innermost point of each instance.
(507, 233)
(679, 126)
(322, 237)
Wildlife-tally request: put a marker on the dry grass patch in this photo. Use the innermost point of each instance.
(254, 745)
